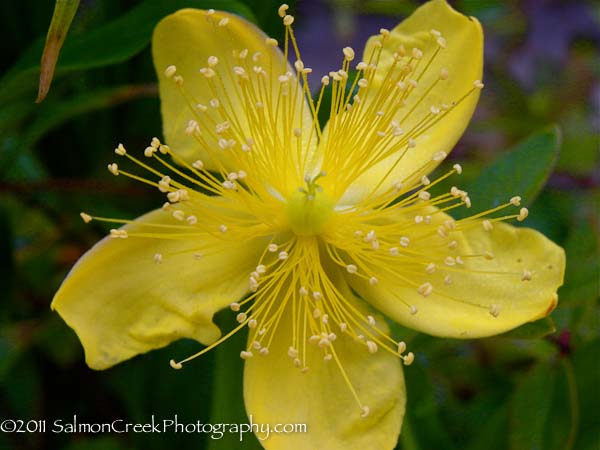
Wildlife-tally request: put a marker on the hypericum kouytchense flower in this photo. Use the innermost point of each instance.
(306, 232)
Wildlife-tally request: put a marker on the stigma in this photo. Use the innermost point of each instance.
(309, 208)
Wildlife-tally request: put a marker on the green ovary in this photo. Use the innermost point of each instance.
(308, 212)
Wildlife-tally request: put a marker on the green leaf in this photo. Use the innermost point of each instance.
(64, 11)
(112, 43)
(530, 408)
(522, 171)
(583, 253)
(532, 330)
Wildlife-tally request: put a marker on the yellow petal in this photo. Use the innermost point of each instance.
(485, 296)
(257, 113)
(275, 392)
(121, 301)
(462, 57)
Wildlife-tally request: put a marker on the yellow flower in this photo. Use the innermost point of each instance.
(299, 229)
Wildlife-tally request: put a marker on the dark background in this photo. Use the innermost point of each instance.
(532, 390)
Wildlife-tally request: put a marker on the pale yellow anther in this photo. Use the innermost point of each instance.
(198, 164)
(178, 79)
(317, 295)
(439, 156)
(417, 53)
(241, 317)
(373, 281)
(223, 22)
(122, 234)
(444, 73)
(459, 260)
(158, 258)
(120, 150)
(452, 245)
(272, 248)
(450, 261)
(363, 83)
(371, 346)
(425, 289)
(85, 217)
(371, 320)
(149, 151)
(401, 347)
(384, 32)
(292, 352)
(223, 228)
(515, 201)
(487, 225)
(361, 66)
(364, 412)
(252, 323)
(191, 220)
(325, 319)
(412, 143)
(175, 365)
(113, 168)
(282, 10)
(325, 80)
(351, 268)
(478, 84)
(447, 280)
(523, 213)
(234, 306)
(413, 310)
(210, 12)
(488, 255)
(283, 255)
(178, 214)
(430, 268)
(271, 42)
(207, 72)
(409, 358)
(457, 168)
(348, 53)
(170, 71)
(495, 310)
(441, 42)
(288, 20)
(324, 343)
(442, 232)
(404, 241)
(246, 354)
(435, 111)
(526, 275)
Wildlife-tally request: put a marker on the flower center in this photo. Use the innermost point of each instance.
(309, 209)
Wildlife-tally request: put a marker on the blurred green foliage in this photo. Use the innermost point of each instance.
(535, 388)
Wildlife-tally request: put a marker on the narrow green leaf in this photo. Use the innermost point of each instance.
(64, 11)
(522, 171)
(530, 407)
(532, 330)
